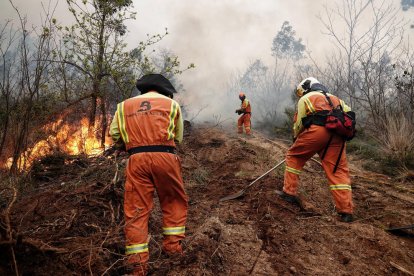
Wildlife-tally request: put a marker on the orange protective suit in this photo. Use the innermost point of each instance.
(245, 118)
(148, 124)
(315, 140)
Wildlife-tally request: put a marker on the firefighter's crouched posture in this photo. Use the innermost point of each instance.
(315, 138)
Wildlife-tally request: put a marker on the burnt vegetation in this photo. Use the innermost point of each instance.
(70, 217)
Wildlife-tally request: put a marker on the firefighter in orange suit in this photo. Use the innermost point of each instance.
(149, 125)
(246, 110)
(315, 138)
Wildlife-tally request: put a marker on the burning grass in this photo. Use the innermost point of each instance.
(63, 136)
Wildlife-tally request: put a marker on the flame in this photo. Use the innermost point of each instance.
(78, 141)
(72, 139)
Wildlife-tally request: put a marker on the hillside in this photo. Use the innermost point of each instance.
(69, 219)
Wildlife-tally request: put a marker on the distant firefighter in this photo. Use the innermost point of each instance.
(246, 110)
(149, 125)
(312, 134)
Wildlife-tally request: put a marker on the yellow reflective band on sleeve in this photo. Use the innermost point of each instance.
(121, 122)
(174, 230)
(136, 248)
(173, 114)
(309, 105)
(292, 170)
(340, 187)
(342, 103)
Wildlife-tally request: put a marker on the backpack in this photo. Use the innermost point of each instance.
(341, 123)
(336, 120)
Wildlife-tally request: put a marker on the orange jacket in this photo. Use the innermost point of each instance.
(147, 120)
(313, 102)
(246, 106)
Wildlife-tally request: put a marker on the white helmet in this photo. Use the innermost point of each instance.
(305, 85)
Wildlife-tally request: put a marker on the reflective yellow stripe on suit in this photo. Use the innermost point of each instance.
(121, 122)
(136, 248)
(174, 230)
(340, 187)
(292, 170)
(173, 114)
(310, 106)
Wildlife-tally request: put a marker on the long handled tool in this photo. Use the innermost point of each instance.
(241, 193)
(401, 230)
(116, 176)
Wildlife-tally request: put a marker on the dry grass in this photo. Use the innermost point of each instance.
(200, 176)
(397, 139)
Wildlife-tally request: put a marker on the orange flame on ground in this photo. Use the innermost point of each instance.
(71, 139)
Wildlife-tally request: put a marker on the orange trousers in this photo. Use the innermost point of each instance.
(244, 120)
(314, 140)
(145, 173)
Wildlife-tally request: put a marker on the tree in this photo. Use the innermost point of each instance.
(268, 91)
(25, 64)
(285, 45)
(360, 70)
(370, 71)
(7, 80)
(270, 86)
(94, 46)
(407, 4)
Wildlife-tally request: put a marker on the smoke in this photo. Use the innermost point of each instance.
(222, 38)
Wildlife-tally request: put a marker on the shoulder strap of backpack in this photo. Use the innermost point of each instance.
(329, 99)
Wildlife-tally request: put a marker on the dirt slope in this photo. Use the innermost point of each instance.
(70, 220)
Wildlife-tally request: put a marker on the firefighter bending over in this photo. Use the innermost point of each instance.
(310, 137)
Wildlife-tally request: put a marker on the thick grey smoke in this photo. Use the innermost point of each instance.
(221, 37)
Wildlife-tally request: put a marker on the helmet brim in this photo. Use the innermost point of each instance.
(155, 82)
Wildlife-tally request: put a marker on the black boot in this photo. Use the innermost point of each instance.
(345, 217)
(289, 198)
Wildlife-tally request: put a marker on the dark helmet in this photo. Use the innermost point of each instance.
(156, 82)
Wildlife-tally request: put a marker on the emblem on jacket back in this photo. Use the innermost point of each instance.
(145, 106)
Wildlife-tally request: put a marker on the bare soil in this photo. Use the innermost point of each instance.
(69, 219)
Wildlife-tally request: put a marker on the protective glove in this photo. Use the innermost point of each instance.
(120, 146)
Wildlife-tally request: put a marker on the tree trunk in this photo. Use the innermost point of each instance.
(4, 134)
(104, 122)
(92, 113)
(21, 140)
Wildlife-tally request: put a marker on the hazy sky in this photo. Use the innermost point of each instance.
(219, 36)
